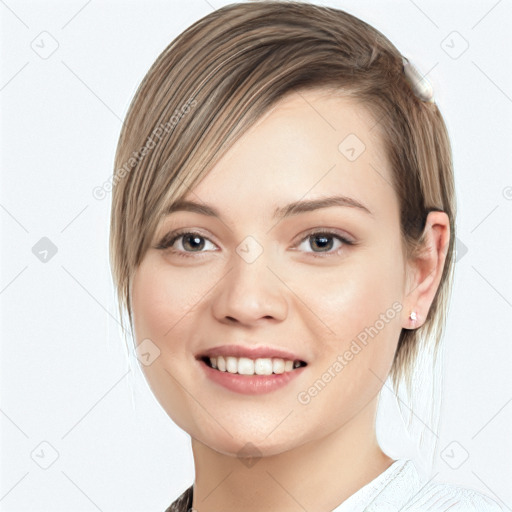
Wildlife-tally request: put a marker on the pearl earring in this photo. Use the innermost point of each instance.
(412, 316)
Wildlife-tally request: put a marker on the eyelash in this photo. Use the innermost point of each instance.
(170, 238)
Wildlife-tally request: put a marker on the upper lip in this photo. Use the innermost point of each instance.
(250, 352)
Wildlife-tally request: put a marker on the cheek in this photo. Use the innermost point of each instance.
(151, 303)
(160, 304)
(353, 297)
(161, 299)
(359, 308)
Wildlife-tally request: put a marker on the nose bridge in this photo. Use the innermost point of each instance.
(250, 291)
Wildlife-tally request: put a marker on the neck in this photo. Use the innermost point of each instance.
(316, 476)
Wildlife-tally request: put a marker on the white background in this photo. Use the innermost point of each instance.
(66, 380)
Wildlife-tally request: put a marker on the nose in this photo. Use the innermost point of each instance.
(250, 293)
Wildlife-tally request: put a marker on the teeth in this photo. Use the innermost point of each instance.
(261, 366)
(246, 366)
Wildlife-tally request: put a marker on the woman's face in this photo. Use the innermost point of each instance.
(251, 277)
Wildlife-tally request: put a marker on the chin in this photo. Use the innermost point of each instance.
(250, 446)
(247, 451)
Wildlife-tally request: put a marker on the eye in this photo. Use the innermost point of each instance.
(328, 242)
(188, 242)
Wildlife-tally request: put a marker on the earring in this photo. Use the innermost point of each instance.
(412, 316)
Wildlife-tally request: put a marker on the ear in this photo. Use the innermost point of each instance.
(425, 270)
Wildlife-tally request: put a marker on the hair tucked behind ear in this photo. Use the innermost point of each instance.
(211, 84)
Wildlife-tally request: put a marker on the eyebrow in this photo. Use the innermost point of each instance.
(289, 210)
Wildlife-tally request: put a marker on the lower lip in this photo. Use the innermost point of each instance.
(251, 384)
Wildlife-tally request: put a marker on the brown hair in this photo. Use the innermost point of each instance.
(227, 69)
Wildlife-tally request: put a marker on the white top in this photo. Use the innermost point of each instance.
(400, 489)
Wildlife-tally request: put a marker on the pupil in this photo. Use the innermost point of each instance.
(323, 239)
(196, 239)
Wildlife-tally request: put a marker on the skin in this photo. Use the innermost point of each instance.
(309, 456)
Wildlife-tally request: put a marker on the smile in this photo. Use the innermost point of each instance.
(250, 383)
(248, 366)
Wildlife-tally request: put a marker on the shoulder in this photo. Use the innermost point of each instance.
(401, 488)
(440, 497)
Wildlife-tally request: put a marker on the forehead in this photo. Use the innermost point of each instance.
(309, 145)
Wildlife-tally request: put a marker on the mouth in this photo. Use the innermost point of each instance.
(250, 366)
(251, 369)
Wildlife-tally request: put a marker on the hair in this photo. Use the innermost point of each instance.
(220, 75)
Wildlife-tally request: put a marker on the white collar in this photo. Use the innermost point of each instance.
(387, 492)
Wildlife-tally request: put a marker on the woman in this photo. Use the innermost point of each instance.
(282, 238)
